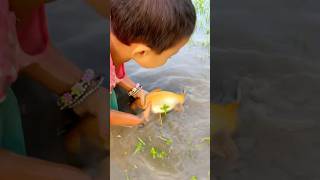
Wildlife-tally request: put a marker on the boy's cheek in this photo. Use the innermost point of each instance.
(151, 62)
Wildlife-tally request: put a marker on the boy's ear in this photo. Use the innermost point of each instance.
(140, 50)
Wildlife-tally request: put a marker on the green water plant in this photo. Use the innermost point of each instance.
(162, 155)
(153, 152)
(139, 146)
(165, 108)
(126, 174)
(168, 141)
(157, 154)
(199, 5)
(205, 139)
(194, 178)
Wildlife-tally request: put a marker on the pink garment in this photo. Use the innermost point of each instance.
(116, 75)
(31, 36)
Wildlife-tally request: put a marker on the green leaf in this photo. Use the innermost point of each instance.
(194, 178)
(165, 108)
(153, 152)
(162, 155)
(168, 141)
(139, 146)
(141, 141)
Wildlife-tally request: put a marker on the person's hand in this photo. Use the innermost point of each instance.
(140, 99)
(96, 106)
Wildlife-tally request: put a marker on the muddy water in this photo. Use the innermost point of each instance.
(187, 156)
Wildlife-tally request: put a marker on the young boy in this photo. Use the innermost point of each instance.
(149, 32)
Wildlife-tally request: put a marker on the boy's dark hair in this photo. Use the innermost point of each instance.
(159, 24)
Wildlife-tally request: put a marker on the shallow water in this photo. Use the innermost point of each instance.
(187, 156)
(188, 70)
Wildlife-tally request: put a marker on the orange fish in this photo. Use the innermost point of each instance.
(225, 123)
(159, 101)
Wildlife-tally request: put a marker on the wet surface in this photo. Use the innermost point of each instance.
(269, 50)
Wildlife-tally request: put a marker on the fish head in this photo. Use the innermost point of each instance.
(182, 97)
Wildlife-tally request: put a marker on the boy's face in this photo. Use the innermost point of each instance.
(151, 59)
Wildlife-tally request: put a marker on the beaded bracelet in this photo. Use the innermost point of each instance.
(95, 85)
(134, 91)
(80, 89)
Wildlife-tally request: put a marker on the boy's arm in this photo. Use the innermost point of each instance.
(13, 166)
(124, 119)
(53, 70)
(127, 84)
(58, 74)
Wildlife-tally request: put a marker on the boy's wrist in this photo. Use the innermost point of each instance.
(134, 92)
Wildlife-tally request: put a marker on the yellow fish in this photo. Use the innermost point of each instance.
(225, 123)
(225, 116)
(159, 101)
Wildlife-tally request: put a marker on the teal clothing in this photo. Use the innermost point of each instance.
(113, 101)
(11, 132)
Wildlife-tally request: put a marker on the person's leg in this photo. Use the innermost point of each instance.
(11, 132)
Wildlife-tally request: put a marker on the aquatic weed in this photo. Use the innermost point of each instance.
(153, 152)
(139, 146)
(168, 141)
(126, 174)
(205, 139)
(165, 109)
(194, 178)
(157, 154)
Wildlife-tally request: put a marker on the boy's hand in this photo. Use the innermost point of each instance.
(95, 105)
(140, 100)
